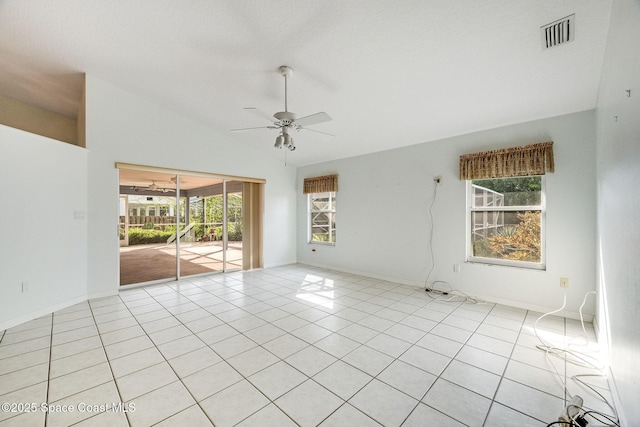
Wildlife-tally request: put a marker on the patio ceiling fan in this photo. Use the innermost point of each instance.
(153, 187)
(287, 121)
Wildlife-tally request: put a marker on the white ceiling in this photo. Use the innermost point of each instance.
(390, 73)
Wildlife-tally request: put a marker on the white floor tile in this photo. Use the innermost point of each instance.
(285, 345)
(405, 333)
(492, 345)
(277, 379)
(310, 360)
(537, 378)
(440, 345)
(76, 362)
(78, 381)
(23, 378)
(234, 404)
(451, 332)
(342, 379)
(252, 361)
(388, 345)
(270, 415)
(194, 361)
(309, 403)
(383, 403)
(264, 333)
(500, 416)
(528, 400)
(311, 333)
(368, 360)
(99, 395)
(231, 346)
(472, 378)
(458, 402)
(36, 393)
(482, 359)
(211, 380)
(135, 361)
(348, 416)
(160, 404)
(258, 348)
(358, 333)
(424, 415)
(407, 378)
(180, 346)
(337, 345)
(426, 360)
(129, 346)
(145, 380)
(22, 361)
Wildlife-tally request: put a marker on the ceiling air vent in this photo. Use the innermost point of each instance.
(558, 32)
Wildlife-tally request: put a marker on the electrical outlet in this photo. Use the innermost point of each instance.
(564, 282)
(24, 286)
(456, 268)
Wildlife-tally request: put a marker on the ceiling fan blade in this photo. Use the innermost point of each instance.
(317, 131)
(259, 113)
(259, 127)
(313, 119)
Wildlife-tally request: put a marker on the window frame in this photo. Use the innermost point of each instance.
(504, 262)
(331, 211)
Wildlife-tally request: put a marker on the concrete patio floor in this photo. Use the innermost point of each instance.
(145, 263)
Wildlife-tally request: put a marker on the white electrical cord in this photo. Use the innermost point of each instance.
(433, 263)
(585, 359)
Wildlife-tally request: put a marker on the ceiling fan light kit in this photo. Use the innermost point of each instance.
(287, 120)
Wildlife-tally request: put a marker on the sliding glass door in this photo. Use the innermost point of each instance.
(234, 219)
(148, 227)
(178, 225)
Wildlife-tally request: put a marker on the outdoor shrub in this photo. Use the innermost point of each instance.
(234, 231)
(523, 244)
(141, 236)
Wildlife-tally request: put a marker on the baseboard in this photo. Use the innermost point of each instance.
(102, 294)
(42, 312)
(489, 298)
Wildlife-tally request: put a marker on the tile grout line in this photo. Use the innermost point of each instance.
(284, 289)
(504, 371)
(165, 360)
(126, 414)
(206, 345)
(46, 414)
(439, 376)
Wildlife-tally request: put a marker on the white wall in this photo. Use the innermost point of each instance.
(618, 148)
(382, 215)
(122, 127)
(44, 189)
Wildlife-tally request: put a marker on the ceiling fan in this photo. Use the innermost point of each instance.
(152, 187)
(287, 121)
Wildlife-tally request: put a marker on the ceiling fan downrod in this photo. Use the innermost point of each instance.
(286, 72)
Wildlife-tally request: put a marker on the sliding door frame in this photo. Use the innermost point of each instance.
(254, 238)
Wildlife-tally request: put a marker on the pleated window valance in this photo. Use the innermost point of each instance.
(320, 184)
(534, 159)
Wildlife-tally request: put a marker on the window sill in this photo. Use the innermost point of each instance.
(506, 263)
(322, 243)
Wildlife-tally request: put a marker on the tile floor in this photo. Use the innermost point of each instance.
(286, 346)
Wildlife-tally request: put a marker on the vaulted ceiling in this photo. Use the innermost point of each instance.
(389, 73)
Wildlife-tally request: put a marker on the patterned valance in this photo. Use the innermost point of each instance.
(320, 184)
(534, 159)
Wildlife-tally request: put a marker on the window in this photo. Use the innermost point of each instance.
(506, 221)
(322, 217)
